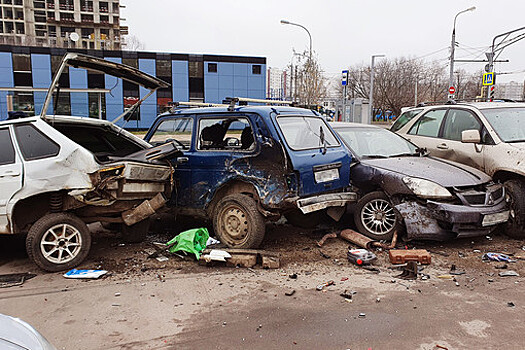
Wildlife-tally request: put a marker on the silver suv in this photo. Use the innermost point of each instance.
(58, 173)
(489, 136)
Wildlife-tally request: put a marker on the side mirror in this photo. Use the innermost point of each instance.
(470, 136)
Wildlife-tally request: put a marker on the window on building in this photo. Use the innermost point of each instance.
(132, 62)
(50, 4)
(104, 19)
(34, 144)
(86, 5)
(67, 5)
(196, 77)
(21, 62)
(67, 17)
(86, 18)
(65, 31)
(24, 101)
(9, 27)
(8, 2)
(40, 33)
(19, 15)
(51, 15)
(96, 80)
(94, 100)
(19, 2)
(86, 33)
(103, 6)
(52, 31)
(7, 151)
(212, 67)
(20, 29)
(1, 27)
(39, 4)
(256, 69)
(64, 102)
(8, 13)
(115, 7)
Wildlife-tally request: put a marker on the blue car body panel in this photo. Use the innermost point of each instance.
(279, 174)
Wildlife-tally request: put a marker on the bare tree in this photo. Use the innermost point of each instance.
(133, 43)
(312, 85)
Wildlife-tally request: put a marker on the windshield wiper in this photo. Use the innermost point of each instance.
(406, 154)
(374, 156)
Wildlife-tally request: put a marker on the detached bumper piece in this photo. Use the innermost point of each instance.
(441, 221)
(323, 201)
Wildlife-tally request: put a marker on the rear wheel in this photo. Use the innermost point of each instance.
(237, 222)
(375, 216)
(515, 197)
(58, 241)
(135, 233)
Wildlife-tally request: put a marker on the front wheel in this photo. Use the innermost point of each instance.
(515, 197)
(375, 216)
(58, 241)
(238, 223)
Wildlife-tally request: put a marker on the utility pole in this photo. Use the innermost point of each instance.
(371, 98)
(452, 50)
(344, 82)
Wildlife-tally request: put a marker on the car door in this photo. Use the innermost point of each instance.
(10, 175)
(180, 130)
(426, 130)
(450, 146)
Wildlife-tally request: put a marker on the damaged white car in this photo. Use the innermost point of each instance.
(58, 173)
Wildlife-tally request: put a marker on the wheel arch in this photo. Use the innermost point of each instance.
(232, 187)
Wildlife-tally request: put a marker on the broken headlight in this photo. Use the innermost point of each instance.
(426, 189)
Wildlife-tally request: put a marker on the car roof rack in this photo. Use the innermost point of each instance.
(243, 101)
(190, 104)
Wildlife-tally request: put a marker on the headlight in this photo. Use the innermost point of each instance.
(426, 189)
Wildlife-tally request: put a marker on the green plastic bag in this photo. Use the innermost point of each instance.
(191, 241)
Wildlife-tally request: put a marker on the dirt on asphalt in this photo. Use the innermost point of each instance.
(178, 304)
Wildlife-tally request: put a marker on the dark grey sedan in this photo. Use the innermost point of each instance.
(400, 186)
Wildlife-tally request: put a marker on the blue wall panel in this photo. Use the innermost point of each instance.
(180, 82)
(79, 100)
(6, 80)
(41, 69)
(115, 98)
(148, 109)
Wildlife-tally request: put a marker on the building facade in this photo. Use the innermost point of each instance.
(89, 24)
(511, 90)
(26, 71)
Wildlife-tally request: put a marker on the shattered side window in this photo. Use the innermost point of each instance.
(178, 129)
(7, 151)
(233, 134)
(34, 144)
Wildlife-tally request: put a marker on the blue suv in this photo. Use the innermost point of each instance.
(245, 165)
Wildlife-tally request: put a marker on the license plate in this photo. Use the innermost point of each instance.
(496, 218)
(326, 175)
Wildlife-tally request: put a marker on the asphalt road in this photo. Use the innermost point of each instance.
(146, 304)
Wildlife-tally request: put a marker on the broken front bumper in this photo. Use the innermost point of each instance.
(441, 221)
(323, 201)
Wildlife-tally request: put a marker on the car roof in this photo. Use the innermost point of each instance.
(477, 105)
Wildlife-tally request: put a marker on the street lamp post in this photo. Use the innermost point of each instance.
(371, 98)
(452, 49)
(283, 21)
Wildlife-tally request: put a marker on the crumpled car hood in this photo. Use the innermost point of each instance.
(443, 172)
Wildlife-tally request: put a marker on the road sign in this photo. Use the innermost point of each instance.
(344, 78)
(488, 78)
(452, 90)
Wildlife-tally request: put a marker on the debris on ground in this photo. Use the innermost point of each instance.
(324, 255)
(85, 274)
(293, 276)
(454, 271)
(192, 241)
(240, 258)
(348, 295)
(360, 256)
(216, 255)
(497, 257)
(326, 284)
(325, 237)
(14, 279)
(356, 238)
(212, 241)
(362, 315)
(290, 293)
(509, 273)
(510, 304)
(401, 256)
(409, 271)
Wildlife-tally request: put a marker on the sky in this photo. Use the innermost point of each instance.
(344, 32)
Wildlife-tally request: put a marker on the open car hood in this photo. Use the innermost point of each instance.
(100, 65)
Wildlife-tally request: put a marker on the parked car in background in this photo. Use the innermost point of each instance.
(400, 186)
(489, 136)
(245, 165)
(58, 173)
(16, 334)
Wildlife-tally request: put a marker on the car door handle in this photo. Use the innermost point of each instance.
(442, 146)
(182, 160)
(10, 173)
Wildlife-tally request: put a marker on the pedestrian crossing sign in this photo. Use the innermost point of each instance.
(488, 79)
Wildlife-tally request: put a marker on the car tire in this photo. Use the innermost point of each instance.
(298, 219)
(376, 217)
(237, 222)
(58, 241)
(515, 197)
(136, 233)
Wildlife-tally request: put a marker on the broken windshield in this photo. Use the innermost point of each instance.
(301, 132)
(509, 123)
